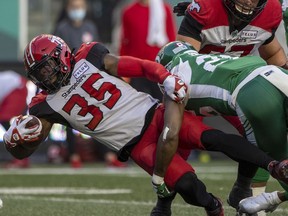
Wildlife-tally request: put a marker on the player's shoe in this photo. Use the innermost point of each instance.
(163, 206)
(217, 212)
(237, 194)
(158, 211)
(279, 170)
(267, 202)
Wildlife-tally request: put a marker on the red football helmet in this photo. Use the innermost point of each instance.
(48, 62)
(243, 12)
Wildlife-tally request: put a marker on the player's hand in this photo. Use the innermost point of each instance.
(175, 88)
(18, 133)
(180, 8)
(159, 187)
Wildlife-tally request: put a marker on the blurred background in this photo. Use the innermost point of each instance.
(20, 21)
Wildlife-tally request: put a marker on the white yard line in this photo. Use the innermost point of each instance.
(61, 190)
(106, 171)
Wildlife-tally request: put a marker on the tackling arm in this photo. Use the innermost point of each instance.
(25, 147)
(126, 66)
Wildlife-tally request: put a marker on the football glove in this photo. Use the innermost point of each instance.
(18, 133)
(175, 88)
(159, 187)
(180, 8)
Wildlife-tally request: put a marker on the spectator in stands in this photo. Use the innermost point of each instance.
(145, 27)
(74, 26)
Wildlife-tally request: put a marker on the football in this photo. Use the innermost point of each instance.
(33, 122)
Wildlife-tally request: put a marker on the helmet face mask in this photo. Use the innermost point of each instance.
(46, 75)
(243, 12)
(48, 62)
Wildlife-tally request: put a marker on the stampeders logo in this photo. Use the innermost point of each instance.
(194, 5)
(74, 86)
(235, 40)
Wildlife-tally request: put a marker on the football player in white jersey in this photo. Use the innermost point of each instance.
(79, 92)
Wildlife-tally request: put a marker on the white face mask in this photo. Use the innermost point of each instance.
(77, 14)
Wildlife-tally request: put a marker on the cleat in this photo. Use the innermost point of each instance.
(217, 212)
(237, 194)
(157, 211)
(163, 206)
(279, 170)
(267, 202)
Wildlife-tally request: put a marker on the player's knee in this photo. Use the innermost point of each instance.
(192, 190)
(211, 139)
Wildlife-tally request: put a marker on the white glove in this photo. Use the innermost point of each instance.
(18, 133)
(175, 88)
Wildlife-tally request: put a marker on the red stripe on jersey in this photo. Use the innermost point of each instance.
(84, 50)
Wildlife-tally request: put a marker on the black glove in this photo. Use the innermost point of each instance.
(180, 8)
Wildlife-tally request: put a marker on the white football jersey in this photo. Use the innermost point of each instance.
(97, 104)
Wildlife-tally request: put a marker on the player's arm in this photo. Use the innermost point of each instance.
(21, 141)
(190, 28)
(274, 54)
(167, 144)
(127, 66)
(195, 43)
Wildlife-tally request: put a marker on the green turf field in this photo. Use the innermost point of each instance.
(100, 191)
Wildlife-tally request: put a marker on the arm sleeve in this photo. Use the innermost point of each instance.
(135, 67)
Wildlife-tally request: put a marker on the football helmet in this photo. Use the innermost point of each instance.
(170, 50)
(48, 62)
(242, 11)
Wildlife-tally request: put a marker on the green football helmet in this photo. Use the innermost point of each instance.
(170, 50)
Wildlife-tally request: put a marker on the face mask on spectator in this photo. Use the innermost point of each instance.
(77, 14)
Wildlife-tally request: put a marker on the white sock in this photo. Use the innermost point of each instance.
(258, 190)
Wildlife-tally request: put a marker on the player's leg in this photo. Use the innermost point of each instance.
(180, 176)
(258, 186)
(263, 106)
(248, 156)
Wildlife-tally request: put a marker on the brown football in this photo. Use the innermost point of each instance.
(34, 121)
(31, 123)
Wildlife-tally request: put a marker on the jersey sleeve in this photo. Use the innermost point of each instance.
(93, 52)
(40, 108)
(270, 18)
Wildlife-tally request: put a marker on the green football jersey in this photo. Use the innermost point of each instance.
(212, 79)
